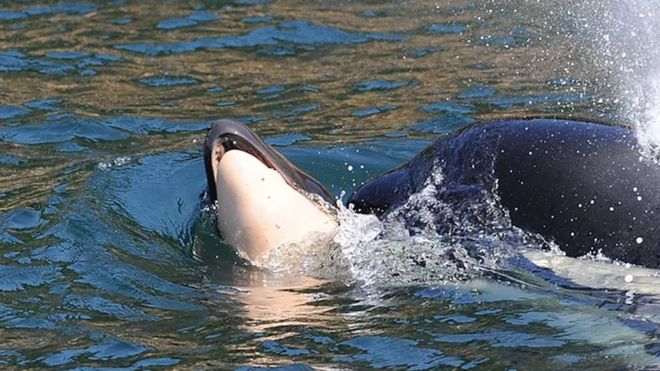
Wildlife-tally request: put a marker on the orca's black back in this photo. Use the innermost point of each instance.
(583, 185)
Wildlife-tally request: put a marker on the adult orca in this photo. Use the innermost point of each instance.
(586, 186)
(263, 200)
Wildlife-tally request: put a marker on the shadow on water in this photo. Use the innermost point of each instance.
(107, 258)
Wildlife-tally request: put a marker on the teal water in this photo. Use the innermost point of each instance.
(108, 258)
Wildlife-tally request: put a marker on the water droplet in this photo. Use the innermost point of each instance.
(611, 208)
(639, 240)
(350, 167)
(628, 278)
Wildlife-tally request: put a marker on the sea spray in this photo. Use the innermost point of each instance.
(412, 245)
(609, 48)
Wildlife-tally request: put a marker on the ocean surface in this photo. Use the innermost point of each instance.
(108, 255)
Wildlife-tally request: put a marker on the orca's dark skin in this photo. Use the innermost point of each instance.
(583, 185)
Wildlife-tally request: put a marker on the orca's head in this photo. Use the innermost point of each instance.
(263, 200)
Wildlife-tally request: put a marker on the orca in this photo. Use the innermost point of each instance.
(585, 186)
(263, 200)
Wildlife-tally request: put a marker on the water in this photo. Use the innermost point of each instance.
(107, 261)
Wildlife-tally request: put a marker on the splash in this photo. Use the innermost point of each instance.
(648, 125)
(315, 257)
(117, 162)
(624, 43)
(610, 46)
(428, 239)
(632, 47)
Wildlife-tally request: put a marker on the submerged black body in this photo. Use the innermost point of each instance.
(583, 185)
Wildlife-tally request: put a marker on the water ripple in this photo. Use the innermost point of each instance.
(476, 91)
(257, 19)
(11, 160)
(373, 111)
(447, 28)
(275, 347)
(10, 112)
(54, 63)
(384, 352)
(293, 32)
(164, 81)
(65, 127)
(105, 306)
(61, 128)
(67, 54)
(503, 339)
(62, 8)
(375, 85)
(110, 348)
(20, 218)
(15, 278)
(47, 104)
(193, 19)
(443, 123)
(552, 98)
(447, 106)
(286, 139)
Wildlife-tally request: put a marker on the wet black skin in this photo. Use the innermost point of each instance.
(233, 135)
(583, 185)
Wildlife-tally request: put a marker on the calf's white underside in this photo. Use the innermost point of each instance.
(258, 210)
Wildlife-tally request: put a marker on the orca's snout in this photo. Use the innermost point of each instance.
(233, 135)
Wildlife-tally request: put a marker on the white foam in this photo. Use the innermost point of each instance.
(117, 162)
(405, 248)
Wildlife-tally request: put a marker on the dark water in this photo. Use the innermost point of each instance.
(106, 260)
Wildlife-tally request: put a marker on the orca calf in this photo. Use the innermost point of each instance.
(263, 200)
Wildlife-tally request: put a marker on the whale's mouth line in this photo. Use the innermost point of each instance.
(232, 142)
